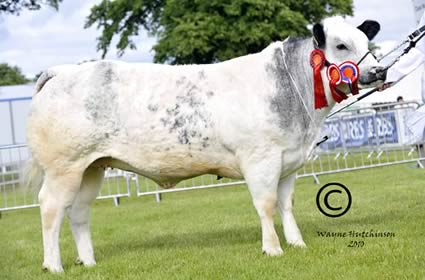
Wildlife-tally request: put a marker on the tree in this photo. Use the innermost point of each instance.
(16, 6)
(11, 75)
(204, 31)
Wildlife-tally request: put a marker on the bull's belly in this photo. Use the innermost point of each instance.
(167, 169)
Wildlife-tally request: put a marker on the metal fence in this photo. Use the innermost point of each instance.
(365, 138)
(358, 139)
(117, 183)
(11, 195)
(144, 186)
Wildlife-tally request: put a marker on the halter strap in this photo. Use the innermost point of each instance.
(363, 58)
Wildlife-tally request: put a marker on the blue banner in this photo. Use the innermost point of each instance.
(361, 130)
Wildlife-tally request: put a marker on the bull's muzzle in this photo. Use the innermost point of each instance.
(375, 74)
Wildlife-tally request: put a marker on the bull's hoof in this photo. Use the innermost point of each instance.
(91, 263)
(52, 268)
(272, 251)
(297, 243)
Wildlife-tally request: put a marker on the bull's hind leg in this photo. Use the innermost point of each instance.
(57, 193)
(262, 179)
(285, 202)
(79, 214)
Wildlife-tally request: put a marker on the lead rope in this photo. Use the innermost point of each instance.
(394, 49)
(412, 44)
(296, 87)
(412, 36)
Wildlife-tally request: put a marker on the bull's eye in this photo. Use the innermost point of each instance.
(341, 47)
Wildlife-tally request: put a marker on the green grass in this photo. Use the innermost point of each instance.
(215, 234)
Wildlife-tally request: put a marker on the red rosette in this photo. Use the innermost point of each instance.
(317, 58)
(334, 74)
(317, 61)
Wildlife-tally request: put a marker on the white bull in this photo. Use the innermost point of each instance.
(251, 117)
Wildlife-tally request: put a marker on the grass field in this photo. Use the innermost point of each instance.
(215, 234)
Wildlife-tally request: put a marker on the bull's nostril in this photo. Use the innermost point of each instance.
(382, 75)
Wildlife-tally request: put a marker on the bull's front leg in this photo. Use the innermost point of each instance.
(262, 176)
(285, 202)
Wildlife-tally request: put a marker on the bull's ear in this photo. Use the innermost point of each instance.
(370, 28)
(319, 36)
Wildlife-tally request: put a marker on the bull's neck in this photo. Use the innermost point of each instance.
(297, 53)
(294, 88)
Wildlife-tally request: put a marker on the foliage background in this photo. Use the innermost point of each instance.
(206, 31)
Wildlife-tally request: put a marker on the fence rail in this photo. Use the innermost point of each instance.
(144, 186)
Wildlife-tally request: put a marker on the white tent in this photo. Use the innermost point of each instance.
(14, 106)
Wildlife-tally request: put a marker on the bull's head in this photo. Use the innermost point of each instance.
(343, 42)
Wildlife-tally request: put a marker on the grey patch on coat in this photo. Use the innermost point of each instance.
(188, 118)
(201, 75)
(153, 108)
(285, 101)
(183, 137)
(165, 121)
(173, 111)
(204, 142)
(227, 148)
(191, 97)
(102, 104)
(181, 81)
(178, 122)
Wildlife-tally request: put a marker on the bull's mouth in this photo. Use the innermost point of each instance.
(370, 84)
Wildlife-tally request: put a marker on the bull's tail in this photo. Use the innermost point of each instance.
(44, 78)
(32, 175)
